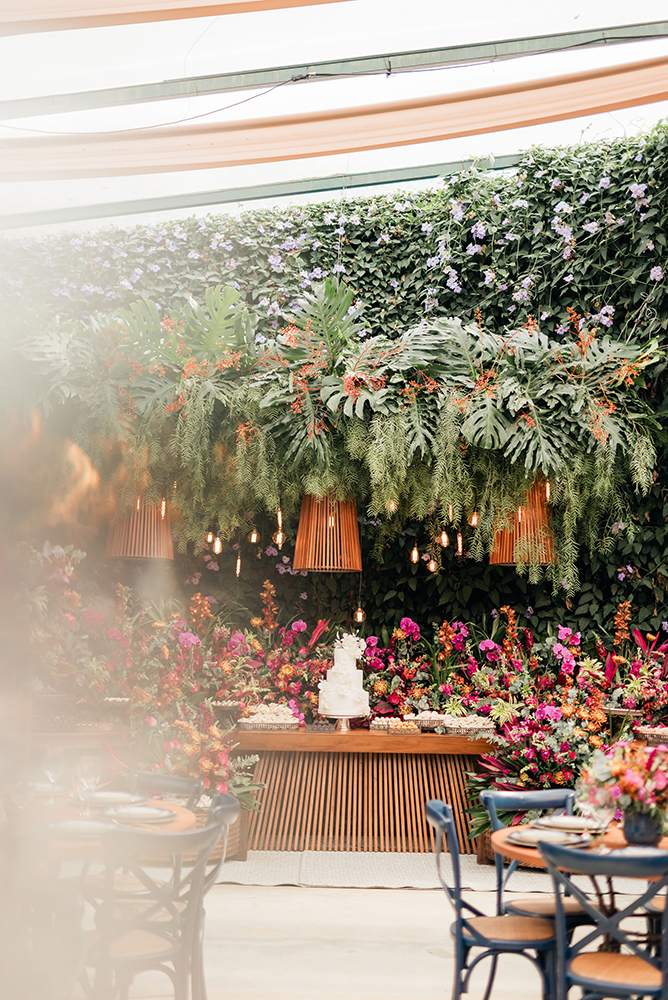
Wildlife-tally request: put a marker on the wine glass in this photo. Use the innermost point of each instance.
(53, 769)
(22, 790)
(86, 778)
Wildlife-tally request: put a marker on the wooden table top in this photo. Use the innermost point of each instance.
(92, 848)
(613, 839)
(357, 741)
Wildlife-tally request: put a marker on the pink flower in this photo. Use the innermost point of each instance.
(371, 642)
(411, 628)
(113, 633)
(221, 787)
(187, 639)
(154, 767)
(660, 780)
(150, 721)
(299, 626)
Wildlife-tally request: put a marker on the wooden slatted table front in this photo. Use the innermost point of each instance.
(357, 791)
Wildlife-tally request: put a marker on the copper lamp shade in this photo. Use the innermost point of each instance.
(328, 538)
(144, 533)
(530, 538)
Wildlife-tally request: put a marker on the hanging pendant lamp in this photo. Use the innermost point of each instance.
(144, 533)
(529, 538)
(328, 539)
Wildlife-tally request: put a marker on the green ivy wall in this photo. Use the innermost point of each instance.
(571, 233)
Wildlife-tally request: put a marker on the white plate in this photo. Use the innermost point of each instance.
(105, 800)
(140, 814)
(567, 824)
(78, 828)
(531, 837)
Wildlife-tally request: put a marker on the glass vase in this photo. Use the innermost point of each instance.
(641, 828)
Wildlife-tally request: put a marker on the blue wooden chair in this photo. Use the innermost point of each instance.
(495, 936)
(495, 801)
(167, 784)
(626, 966)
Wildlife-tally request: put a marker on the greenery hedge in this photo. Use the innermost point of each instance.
(572, 236)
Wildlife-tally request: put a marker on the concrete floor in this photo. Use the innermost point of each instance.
(293, 943)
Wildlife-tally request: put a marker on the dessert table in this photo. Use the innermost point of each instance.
(356, 791)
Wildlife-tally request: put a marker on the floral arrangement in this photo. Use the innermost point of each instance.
(630, 776)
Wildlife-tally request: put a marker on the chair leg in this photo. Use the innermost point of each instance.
(461, 955)
(491, 977)
(198, 978)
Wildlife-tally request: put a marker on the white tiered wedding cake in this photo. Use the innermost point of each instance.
(341, 695)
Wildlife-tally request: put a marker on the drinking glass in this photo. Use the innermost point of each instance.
(22, 791)
(86, 779)
(53, 769)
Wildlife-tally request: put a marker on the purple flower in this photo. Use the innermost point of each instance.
(303, 596)
(427, 228)
(548, 712)
(270, 551)
(604, 183)
(555, 184)
(478, 230)
(656, 274)
(528, 613)
(280, 568)
(591, 227)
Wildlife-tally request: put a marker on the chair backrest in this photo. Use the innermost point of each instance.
(224, 809)
(167, 784)
(439, 816)
(646, 864)
(169, 907)
(495, 801)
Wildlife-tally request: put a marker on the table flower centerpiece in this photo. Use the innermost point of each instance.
(631, 777)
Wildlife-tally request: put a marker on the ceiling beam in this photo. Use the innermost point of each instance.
(18, 17)
(338, 130)
(282, 189)
(388, 63)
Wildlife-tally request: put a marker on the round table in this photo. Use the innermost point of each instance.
(92, 849)
(613, 839)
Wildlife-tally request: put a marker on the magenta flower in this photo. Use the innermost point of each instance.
(150, 721)
(113, 633)
(187, 639)
(299, 626)
(411, 629)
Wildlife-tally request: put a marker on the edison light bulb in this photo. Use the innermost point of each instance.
(163, 508)
(209, 537)
(432, 565)
(415, 554)
(359, 616)
(443, 539)
(238, 569)
(217, 545)
(519, 515)
(278, 538)
(547, 489)
(473, 520)
(254, 536)
(460, 544)
(279, 519)
(450, 512)
(391, 506)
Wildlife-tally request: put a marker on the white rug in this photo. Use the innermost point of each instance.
(362, 870)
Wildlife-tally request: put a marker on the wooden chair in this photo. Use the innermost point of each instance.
(496, 801)
(167, 784)
(156, 930)
(625, 966)
(224, 810)
(497, 935)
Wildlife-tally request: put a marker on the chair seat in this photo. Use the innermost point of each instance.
(657, 904)
(510, 928)
(544, 906)
(124, 883)
(610, 968)
(133, 946)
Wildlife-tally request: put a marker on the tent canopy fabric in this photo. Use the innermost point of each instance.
(21, 16)
(262, 140)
